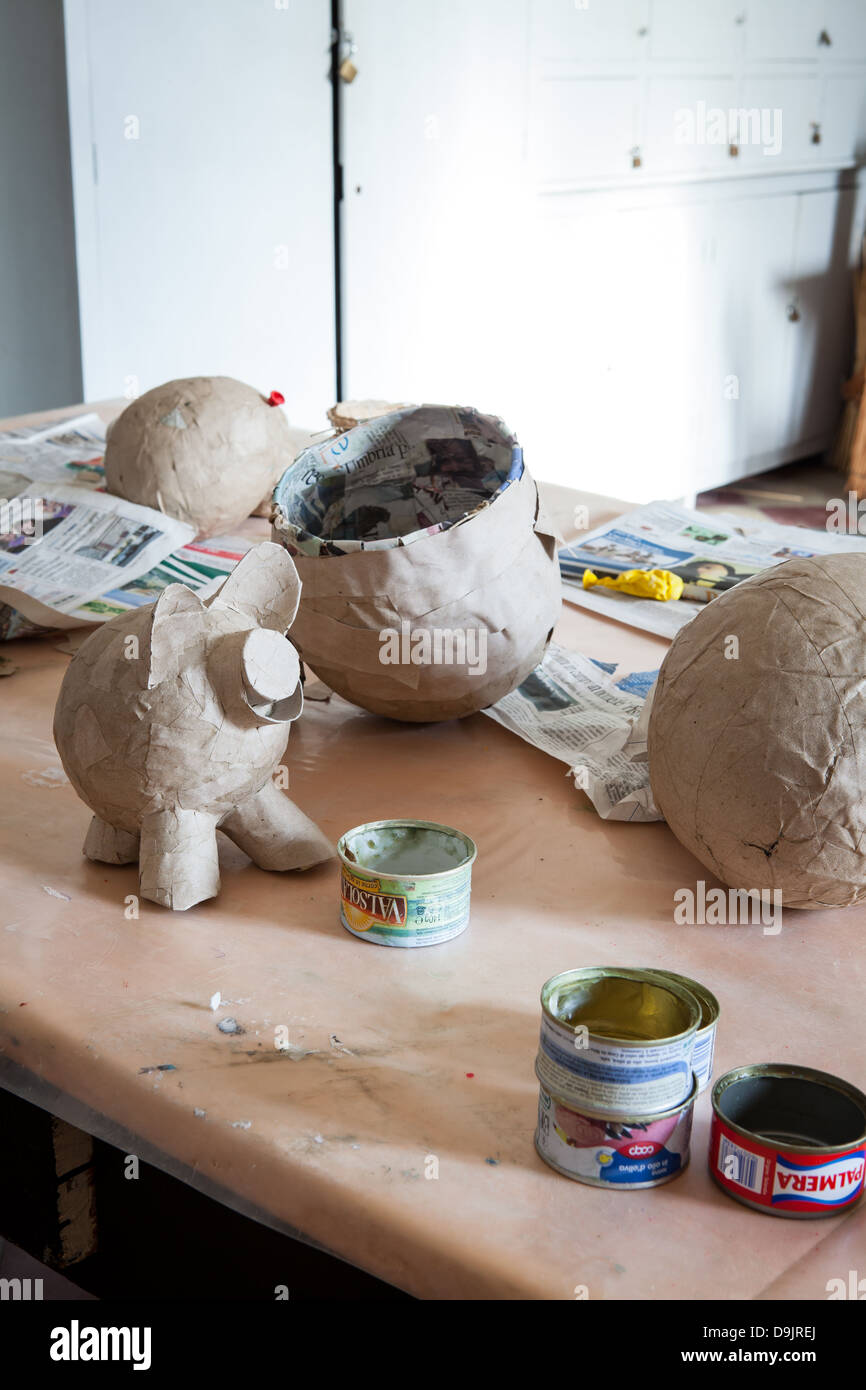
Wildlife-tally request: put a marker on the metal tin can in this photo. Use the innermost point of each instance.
(617, 1042)
(623, 1153)
(405, 882)
(705, 1040)
(788, 1140)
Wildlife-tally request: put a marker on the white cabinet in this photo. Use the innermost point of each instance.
(648, 328)
(589, 32)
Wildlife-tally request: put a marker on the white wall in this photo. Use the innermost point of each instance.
(40, 363)
(201, 139)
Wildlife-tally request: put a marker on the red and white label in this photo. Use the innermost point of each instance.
(782, 1181)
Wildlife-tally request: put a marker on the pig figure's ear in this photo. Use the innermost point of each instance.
(264, 586)
(176, 626)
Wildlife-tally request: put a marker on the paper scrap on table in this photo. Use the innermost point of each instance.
(571, 708)
(710, 552)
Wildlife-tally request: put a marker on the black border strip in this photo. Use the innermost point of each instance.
(337, 167)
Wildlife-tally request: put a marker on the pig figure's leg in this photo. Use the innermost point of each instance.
(110, 845)
(178, 861)
(274, 833)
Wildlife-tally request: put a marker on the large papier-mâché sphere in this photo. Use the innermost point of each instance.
(203, 449)
(430, 579)
(757, 735)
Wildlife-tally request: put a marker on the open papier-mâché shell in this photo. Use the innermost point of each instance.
(171, 722)
(757, 735)
(205, 449)
(430, 578)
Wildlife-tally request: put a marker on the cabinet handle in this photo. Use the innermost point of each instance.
(636, 159)
(824, 39)
(793, 314)
(815, 127)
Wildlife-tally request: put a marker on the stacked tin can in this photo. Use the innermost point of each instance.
(623, 1054)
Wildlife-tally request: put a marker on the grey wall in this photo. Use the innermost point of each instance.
(40, 355)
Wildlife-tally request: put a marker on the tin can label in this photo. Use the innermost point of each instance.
(597, 1074)
(786, 1183)
(702, 1057)
(624, 1153)
(402, 912)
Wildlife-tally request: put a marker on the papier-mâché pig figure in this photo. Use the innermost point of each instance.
(171, 722)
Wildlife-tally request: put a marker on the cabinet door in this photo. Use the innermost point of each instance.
(624, 388)
(822, 336)
(750, 334)
(201, 141)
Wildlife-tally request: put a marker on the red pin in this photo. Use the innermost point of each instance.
(276, 398)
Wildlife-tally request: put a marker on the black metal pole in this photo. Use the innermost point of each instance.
(336, 151)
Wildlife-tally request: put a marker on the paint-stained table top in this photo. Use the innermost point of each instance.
(398, 1058)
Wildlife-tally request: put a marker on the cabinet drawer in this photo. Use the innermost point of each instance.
(695, 32)
(599, 31)
(786, 107)
(582, 128)
(782, 30)
(843, 116)
(687, 120)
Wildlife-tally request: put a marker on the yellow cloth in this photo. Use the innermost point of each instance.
(660, 584)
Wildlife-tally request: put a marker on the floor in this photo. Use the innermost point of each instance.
(794, 495)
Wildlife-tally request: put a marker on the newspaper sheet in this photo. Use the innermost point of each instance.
(68, 451)
(201, 566)
(711, 553)
(571, 708)
(65, 544)
(86, 543)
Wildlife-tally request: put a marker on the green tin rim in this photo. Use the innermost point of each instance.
(644, 977)
(354, 867)
(701, 993)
